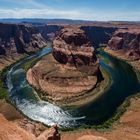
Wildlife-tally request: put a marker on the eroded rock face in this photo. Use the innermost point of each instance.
(66, 75)
(72, 47)
(13, 131)
(128, 41)
(98, 34)
(19, 38)
(51, 134)
(10, 131)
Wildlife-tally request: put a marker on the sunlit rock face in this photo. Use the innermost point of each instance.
(72, 47)
(127, 40)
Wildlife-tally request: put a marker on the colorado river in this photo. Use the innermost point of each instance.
(25, 98)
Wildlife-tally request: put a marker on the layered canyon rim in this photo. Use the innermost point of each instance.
(70, 79)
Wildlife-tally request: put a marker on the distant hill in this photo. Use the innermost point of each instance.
(45, 21)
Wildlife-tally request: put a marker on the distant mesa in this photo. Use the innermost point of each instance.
(126, 41)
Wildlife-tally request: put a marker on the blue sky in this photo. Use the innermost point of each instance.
(102, 10)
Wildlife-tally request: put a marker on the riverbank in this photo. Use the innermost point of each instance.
(47, 66)
(8, 110)
(120, 55)
(126, 124)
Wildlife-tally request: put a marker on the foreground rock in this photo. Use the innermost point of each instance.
(72, 47)
(9, 131)
(126, 41)
(70, 72)
(12, 131)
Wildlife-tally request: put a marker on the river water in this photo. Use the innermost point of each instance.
(124, 84)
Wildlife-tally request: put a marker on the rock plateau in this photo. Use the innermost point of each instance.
(126, 41)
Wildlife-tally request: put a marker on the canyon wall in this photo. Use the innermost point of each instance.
(72, 69)
(48, 31)
(19, 38)
(126, 41)
(98, 34)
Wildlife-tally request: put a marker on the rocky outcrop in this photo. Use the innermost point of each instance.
(127, 41)
(51, 134)
(11, 131)
(48, 31)
(70, 72)
(99, 35)
(19, 38)
(72, 47)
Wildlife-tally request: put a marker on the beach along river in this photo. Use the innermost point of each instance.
(25, 98)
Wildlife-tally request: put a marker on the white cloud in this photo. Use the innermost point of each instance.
(42, 13)
(74, 14)
(40, 10)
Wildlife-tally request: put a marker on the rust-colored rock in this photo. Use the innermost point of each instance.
(72, 47)
(51, 134)
(10, 131)
(127, 40)
(73, 69)
(19, 38)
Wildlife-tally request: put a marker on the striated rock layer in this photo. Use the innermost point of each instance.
(71, 71)
(72, 47)
(11, 131)
(126, 41)
(19, 38)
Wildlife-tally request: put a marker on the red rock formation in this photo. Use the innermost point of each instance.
(99, 34)
(72, 47)
(51, 134)
(19, 38)
(11, 131)
(128, 41)
(71, 72)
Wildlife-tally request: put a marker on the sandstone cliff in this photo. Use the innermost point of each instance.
(99, 34)
(126, 41)
(11, 131)
(19, 38)
(71, 71)
(72, 47)
(48, 31)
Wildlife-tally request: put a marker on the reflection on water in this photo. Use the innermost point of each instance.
(26, 99)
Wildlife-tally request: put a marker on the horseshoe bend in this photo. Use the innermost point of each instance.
(70, 72)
